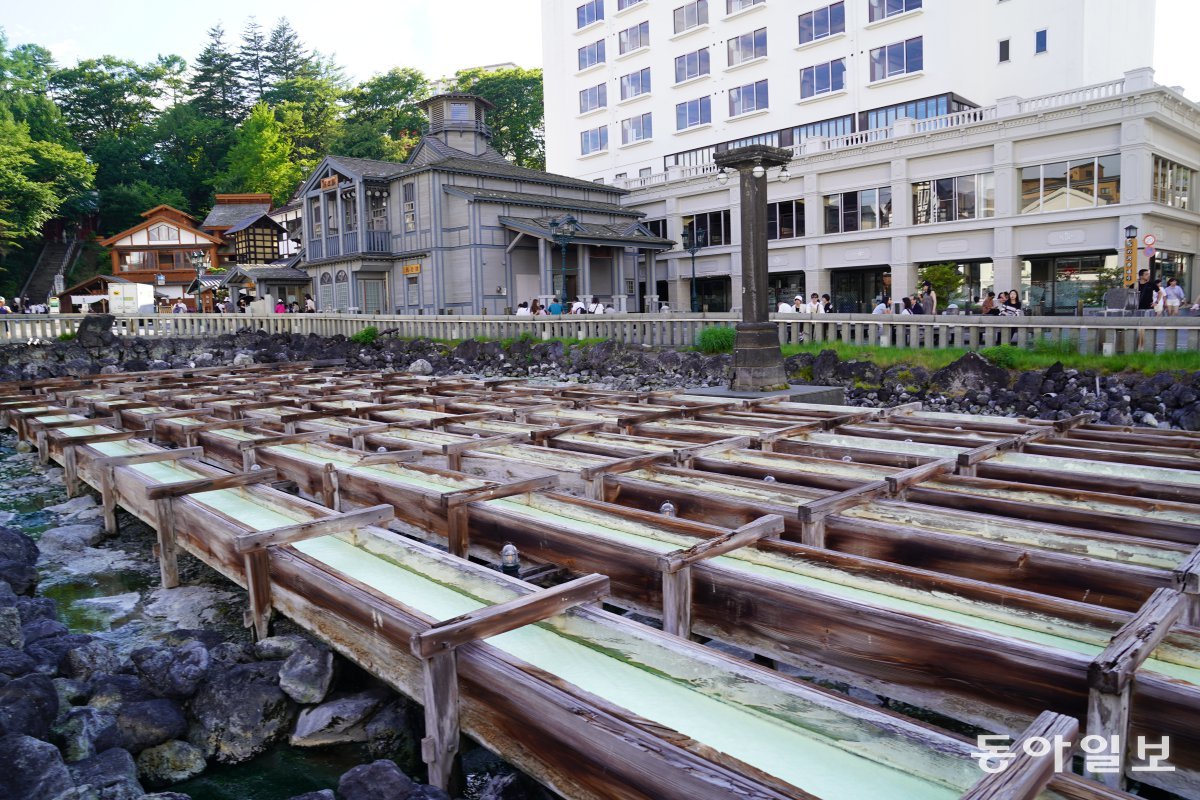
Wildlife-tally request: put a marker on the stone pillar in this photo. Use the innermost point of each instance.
(544, 266)
(757, 360)
(1007, 271)
(904, 283)
(652, 303)
(817, 280)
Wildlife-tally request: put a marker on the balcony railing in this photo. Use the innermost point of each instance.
(379, 241)
(314, 250)
(350, 242)
(333, 246)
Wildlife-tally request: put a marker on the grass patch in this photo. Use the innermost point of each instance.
(1040, 356)
(366, 336)
(716, 340)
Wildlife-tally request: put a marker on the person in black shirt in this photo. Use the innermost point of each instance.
(1145, 291)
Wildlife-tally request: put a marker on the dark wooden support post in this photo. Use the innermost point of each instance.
(458, 516)
(257, 565)
(330, 491)
(1024, 777)
(898, 483)
(812, 515)
(168, 553)
(676, 569)
(1187, 581)
(70, 470)
(1111, 675)
(436, 648)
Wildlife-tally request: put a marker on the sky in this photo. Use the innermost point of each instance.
(370, 37)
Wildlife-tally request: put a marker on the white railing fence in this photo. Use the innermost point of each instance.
(1087, 334)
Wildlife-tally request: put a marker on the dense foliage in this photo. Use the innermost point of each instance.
(257, 114)
(716, 340)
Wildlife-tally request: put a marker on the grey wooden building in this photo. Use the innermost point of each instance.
(457, 228)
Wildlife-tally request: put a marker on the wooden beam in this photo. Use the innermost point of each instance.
(229, 481)
(454, 450)
(1026, 776)
(257, 566)
(766, 526)
(151, 458)
(168, 554)
(545, 436)
(684, 456)
(503, 617)
(812, 515)
(94, 438)
(899, 481)
(676, 569)
(392, 457)
(324, 526)
(457, 505)
(439, 748)
(1111, 674)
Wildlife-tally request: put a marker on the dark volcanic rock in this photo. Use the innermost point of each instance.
(16, 546)
(239, 712)
(28, 705)
(95, 330)
(88, 660)
(169, 763)
(148, 723)
(972, 371)
(111, 774)
(32, 769)
(307, 673)
(85, 731)
(379, 780)
(172, 672)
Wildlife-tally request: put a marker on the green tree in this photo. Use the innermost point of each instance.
(106, 95)
(25, 73)
(309, 109)
(383, 118)
(216, 85)
(518, 120)
(260, 159)
(122, 205)
(286, 56)
(36, 178)
(188, 152)
(173, 83)
(252, 61)
(946, 280)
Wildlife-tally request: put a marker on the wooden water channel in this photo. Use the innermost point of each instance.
(1022, 576)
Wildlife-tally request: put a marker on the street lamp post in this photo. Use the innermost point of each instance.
(692, 244)
(198, 265)
(562, 230)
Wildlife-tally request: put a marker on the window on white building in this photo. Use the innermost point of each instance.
(822, 22)
(823, 78)
(591, 54)
(1172, 184)
(624, 4)
(751, 97)
(785, 220)
(738, 5)
(747, 46)
(634, 37)
(897, 59)
(1004, 50)
(692, 113)
(1039, 41)
(635, 129)
(594, 140)
(593, 97)
(960, 197)
(691, 15)
(866, 210)
(1078, 183)
(589, 12)
(635, 83)
(881, 9)
(691, 65)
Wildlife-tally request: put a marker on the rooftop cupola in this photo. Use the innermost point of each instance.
(459, 120)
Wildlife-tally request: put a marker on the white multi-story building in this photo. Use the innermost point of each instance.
(1016, 139)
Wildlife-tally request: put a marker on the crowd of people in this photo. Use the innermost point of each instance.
(536, 309)
(21, 305)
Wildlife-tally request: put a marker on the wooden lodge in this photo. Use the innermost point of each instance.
(1026, 577)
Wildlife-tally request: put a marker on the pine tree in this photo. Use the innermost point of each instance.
(252, 60)
(216, 86)
(285, 55)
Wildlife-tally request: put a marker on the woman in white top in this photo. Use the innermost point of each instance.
(884, 306)
(907, 309)
(814, 304)
(596, 308)
(523, 310)
(785, 308)
(1174, 295)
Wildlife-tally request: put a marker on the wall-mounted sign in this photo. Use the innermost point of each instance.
(412, 269)
(1130, 266)
(329, 183)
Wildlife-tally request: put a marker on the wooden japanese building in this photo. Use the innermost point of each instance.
(168, 244)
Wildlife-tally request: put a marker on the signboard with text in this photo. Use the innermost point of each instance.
(412, 269)
(1130, 262)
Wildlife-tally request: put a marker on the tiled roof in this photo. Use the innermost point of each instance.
(268, 272)
(248, 221)
(541, 200)
(225, 215)
(370, 168)
(475, 166)
(628, 234)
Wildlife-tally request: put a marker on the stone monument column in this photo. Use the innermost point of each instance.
(757, 360)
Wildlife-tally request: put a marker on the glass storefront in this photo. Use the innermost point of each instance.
(1169, 264)
(978, 279)
(1057, 284)
(714, 293)
(858, 291)
(782, 287)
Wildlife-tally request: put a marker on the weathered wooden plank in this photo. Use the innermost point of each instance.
(168, 551)
(480, 493)
(1025, 776)
(393, 457)
(336, 523)
(767, 526)
(151, 458)
(257, 567)
(180, 488)
(1113, 670)
(899, 481)
(503, 617)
